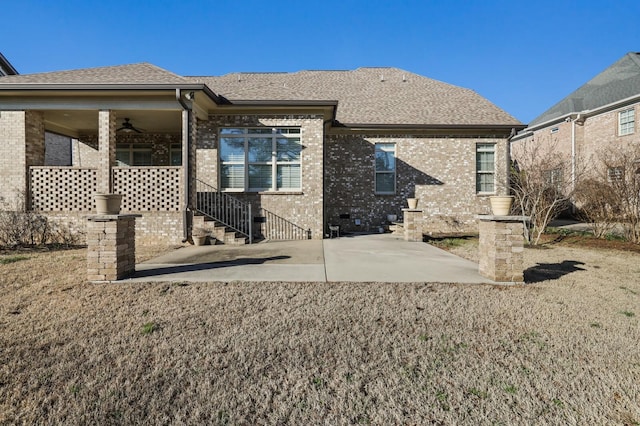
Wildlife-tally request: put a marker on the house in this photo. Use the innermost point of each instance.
(269, 155)
(599, 115)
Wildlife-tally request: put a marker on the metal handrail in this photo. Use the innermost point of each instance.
(224, 208)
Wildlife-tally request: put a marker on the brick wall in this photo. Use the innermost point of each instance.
(151, 228)
(439, 171)
(592, 137)
(303, 208)
(22, 137)
(57, 150)
(12, 154)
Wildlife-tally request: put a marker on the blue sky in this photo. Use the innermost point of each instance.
(522, 55)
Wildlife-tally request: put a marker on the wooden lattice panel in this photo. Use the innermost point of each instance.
(148, 188)
(62, 188)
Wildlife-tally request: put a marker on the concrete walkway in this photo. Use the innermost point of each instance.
(360, 258)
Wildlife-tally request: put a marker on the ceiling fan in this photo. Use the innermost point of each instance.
(128, 127)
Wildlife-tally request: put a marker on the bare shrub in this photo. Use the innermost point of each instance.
(540, 180)
(20, 227)
(598, 206)
(619, 171)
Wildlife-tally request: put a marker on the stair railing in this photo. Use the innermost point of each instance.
(224, 208)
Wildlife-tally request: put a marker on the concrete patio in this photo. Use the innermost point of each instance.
(357, 258)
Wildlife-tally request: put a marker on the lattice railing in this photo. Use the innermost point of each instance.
(148, 188)
(62, 188)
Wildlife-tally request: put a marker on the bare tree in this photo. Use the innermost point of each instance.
(541, 180)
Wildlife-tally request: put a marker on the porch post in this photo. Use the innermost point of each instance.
(188, 168)
(34, 148)
(106, 149)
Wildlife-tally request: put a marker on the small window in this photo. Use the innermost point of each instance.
(134, 154)
(385, 168)
(554, 130)
(626, 122)
(554, 178)
(615, 174)
(485, 167)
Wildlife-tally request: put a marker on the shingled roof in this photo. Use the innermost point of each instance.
(365, 96)
(384, 96)
(620, 81)
(142, 73)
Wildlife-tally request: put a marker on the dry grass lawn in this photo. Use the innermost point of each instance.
(558, 351)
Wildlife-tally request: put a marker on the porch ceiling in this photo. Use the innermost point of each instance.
(77, 122)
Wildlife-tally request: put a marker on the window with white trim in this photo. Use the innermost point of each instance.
(134, 154)
(385, 157)
(485, 167)
(260, 159)
(626, 122)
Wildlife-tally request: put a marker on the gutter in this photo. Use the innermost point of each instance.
(108, 87)
(186, 165)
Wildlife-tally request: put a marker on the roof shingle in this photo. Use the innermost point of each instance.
(368, 96)
(142, 73)
(620, 81)
(381, 96)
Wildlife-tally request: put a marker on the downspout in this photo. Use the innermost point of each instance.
(186, 165)
(573, 153)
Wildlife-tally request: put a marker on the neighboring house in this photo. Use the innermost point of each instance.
(5, 67)
(600, 115)
(303, 150)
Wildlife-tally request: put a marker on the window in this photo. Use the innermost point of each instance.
(385, 168)
(260, 159)
(175, 154)
(134, 154)
(485, 167)
(554, 130)
(626, 122)
(615, 174)
(554, 178)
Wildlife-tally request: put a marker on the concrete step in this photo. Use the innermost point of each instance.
(219, 233)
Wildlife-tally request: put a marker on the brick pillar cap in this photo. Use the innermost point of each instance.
(111, 217)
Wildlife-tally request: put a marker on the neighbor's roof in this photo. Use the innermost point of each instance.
(620, 81)
(384, 96)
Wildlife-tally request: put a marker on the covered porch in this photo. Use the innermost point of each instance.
(135, 142)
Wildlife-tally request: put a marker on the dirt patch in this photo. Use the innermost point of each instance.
(560, 351)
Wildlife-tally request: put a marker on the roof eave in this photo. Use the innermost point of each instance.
(356, 126)
(584, 113)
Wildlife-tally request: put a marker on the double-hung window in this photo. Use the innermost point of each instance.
(385, 168)
(260, 159)
(485, 167)
(626, 122)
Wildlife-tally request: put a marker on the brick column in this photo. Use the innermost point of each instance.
(106, 149)
(111, 246)
(501, 248)
(412, 224)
